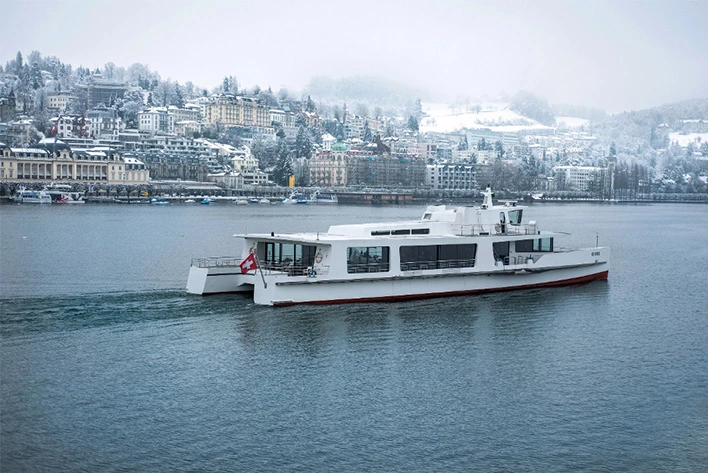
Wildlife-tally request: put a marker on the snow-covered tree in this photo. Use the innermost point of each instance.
(413, 123)
(303, 144)
(284, 163)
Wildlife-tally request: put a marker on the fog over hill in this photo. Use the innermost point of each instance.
(369, 90)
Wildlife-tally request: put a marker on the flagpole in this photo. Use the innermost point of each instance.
(258, 264)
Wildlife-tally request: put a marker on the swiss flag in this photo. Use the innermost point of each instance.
(248, 264)
(56, 125)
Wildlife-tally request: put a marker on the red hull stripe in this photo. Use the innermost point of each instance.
(563, 282)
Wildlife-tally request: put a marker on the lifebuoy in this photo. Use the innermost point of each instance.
(318, 257)
(498, 227)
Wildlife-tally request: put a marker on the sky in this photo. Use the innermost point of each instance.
(617, 55)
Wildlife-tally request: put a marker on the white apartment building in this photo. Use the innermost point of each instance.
(451, 176)
(58, 101)
(190, 113)
(156, 120)
(575, 177)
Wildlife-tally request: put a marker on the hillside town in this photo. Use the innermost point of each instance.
(120, 130)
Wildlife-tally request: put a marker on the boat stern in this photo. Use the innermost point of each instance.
(217, 276)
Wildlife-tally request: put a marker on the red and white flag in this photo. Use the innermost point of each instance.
(56, 125)
(249, 264)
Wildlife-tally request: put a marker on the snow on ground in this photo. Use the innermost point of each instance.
(571, 122)
(684, 139)
(442, 118)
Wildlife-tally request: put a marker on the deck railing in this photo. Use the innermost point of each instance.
(437, 264)
(497, 229)
(268, 267)
(216, 261)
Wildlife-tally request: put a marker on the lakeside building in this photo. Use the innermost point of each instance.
(386, 171)
(232, 111)
(156, 120)
(58, 101)
(576, 177)
(8, 107)
(190, 112)
(104, 123)
(163, 165)
(99, 91)
(329, 167)
(87, 166)
(451, 176)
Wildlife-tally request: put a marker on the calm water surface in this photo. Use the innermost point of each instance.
(107, 365)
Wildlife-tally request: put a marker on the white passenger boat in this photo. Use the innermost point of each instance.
(315, 198)
(62, 194)
(24, 196)
(449, 251)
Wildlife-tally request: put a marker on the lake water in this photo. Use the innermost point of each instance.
(107, 365)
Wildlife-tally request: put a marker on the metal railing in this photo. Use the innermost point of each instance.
(368, 268)
(216, 262)
(515, 260)
(497, 229)
(438, 264)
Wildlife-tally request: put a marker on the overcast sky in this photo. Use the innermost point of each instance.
(619, 55)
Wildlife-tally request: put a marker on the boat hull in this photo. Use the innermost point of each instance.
(313, 291)
(217, 280)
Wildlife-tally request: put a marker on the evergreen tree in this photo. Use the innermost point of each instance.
(613, 151)
(178, 97)
(418, 109)
(300, 120)
(310, 105)
(303, 144)
(482, 145)
(413, 123)
(150, 102)
(18, 64)
(463, 145)
(284, 163)
(499, 149)
(367, 132)
(36, 76)
(389, 130)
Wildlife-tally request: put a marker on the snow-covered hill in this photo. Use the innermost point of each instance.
(442, 118)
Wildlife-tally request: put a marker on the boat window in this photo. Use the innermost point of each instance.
(515, 217)
(380, 232)
(501, 249)
(401, 232)
(502, 217)
(540, 245)
(427, 216)
(420, 231)
(524, 246)
(281, 255)
(368, 259)
(414, 258)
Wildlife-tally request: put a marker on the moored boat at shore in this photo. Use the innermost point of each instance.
(449, 251)
(63, 194)
(24, 196)
(316, 197)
